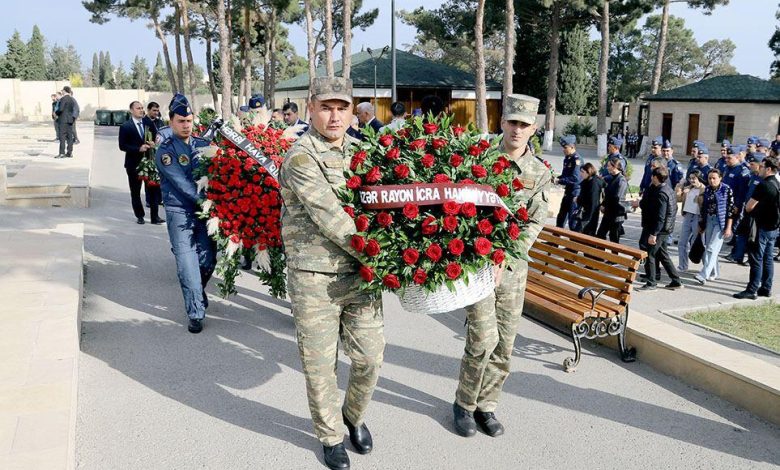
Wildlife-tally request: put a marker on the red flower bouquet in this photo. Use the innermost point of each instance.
(147, 168)
(433, 204)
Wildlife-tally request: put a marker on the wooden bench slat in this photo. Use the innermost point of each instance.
(551, 307)
(575, 257)
(605, 308)
(588, 276)
(568, 302)
(595, 251)
(570, 277)
(594, 241)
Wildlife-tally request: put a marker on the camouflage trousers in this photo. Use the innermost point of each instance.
(327, 307)
(490, 338)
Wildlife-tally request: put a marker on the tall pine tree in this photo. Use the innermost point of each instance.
(574, 79)
(159, 79)
(64, 62)
(139, 73)
(101, 69)
(94, 74)
(15, 57)
(122, 79)
(107, 72)
(35, 64)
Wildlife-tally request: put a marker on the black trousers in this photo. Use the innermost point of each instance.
(75, 134)
(567, 213)
(154, 198)
(66, 137)
(135, 192)
(610, 226)
(657, 254)
(56, 123)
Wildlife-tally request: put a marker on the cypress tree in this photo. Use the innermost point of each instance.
(35, 63)
(159, 80)
(574, 80)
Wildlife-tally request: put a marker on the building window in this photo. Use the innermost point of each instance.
(666, 126)
(725, 128)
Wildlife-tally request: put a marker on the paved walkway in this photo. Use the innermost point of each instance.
(153, 396)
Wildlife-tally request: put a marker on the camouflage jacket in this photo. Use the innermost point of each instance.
(315, 229)
(537, 181)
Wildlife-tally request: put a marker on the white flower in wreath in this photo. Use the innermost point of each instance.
(202, 183)
(232, 248)
(207, 205)
(212, 225)
(262, 259)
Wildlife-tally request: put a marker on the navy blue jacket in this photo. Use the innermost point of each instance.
(570, 176)
(130, 142)
(737, 177)
(176, 162)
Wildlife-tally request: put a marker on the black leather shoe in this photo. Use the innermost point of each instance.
(488, 423)
(158, 221)
(195, 326)
(745, 295)
(336, 457)
(360, 437)
(139, 220)
(464, 421)
(764, 293)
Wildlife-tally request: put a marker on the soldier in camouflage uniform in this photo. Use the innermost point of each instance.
(493, 321)
(322, 275)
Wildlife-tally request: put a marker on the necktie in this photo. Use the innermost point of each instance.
(141, 130)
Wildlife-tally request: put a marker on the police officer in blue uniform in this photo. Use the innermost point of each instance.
(763, 147)
(737, 177)
(752, 143)
(675, 172)
(700, 160)
(655, 152)
(743, 229)
(571, 179)
(613, 151)
(195, 251)
(725, 150)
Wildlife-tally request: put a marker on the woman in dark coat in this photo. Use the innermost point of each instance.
(612, 206)
(589, 199)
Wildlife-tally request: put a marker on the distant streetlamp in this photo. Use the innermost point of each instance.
(376, 60)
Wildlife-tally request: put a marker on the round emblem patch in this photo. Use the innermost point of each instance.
(166, 159)
(184, 160)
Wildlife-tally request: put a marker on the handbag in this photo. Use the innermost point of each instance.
(697, 250)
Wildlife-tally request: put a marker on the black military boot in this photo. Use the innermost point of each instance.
(195, 325)
(464, 421)
(360, 437)
(336, 457)
(488, 423)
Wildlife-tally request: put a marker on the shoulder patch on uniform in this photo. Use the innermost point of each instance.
(166, 159)
(184, 160)
(300, 159)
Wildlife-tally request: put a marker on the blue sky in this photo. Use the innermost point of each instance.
(749, 23)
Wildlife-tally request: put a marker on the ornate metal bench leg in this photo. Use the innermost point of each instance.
(626, 354)
(570, 363)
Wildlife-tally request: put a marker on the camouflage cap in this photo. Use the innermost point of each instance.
(521, 108)
(336, 88)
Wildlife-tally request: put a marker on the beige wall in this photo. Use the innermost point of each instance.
(749, 119)
(31, 101)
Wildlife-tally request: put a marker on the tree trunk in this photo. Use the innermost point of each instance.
(659, 57)
(329, 38)
(247, 65)
(552, 76)
(509, 48)
(601, 119)
(346, 51)
(166, 55)
(272, 61)
(209, 64)
(267, 59)
(231, 65)
(185, 15)
(177, 35)
(224, 60)
(479, 46)
(312, 51)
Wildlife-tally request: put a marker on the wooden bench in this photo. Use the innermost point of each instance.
(584, 284)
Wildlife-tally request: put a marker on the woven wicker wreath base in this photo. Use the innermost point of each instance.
(481, 284)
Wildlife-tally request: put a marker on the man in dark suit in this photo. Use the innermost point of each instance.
(290, 115)
(367, 117)
(152, 123)
(65, 114)
(132, 141)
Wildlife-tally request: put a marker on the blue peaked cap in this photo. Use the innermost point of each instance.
(616, 141)
(179, 105)
(567, 140)
(256, 101)
(667, 144)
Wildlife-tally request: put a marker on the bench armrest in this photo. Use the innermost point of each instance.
(594, 295)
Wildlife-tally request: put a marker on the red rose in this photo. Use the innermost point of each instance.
(450, 223)
(361, 223)
(498, 256)
(498, 168)
(456, 160)
(453, 270)
(367, 273)
(438, 143)
(504, 161)
(484, 144)
(358, 243)
(478, 171)
(411, 211)
(373, 248)
(357, 160)
(522, 214)
(441, 178)
(457, 131)
(391, 281)
(456, 246)
(513, 231)
(386, 140)
(517, 184)
(433, 252)
(403, 133)
(418, 144)
(420, 276)
(427, 160)
(451, 207)
(354, 182)
(384, 219)
(474, 150)
(482, 246)
(401, 171)
(428, 226)
(430, 128)
(502, 190)
(410, 256)
(393, 153)
(485, 227)
(468, 209)
(349, 211)
(467, 181)
(500, 214)
(374, 175)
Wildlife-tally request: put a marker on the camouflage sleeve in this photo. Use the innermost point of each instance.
(537, 209)
(304, 177)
